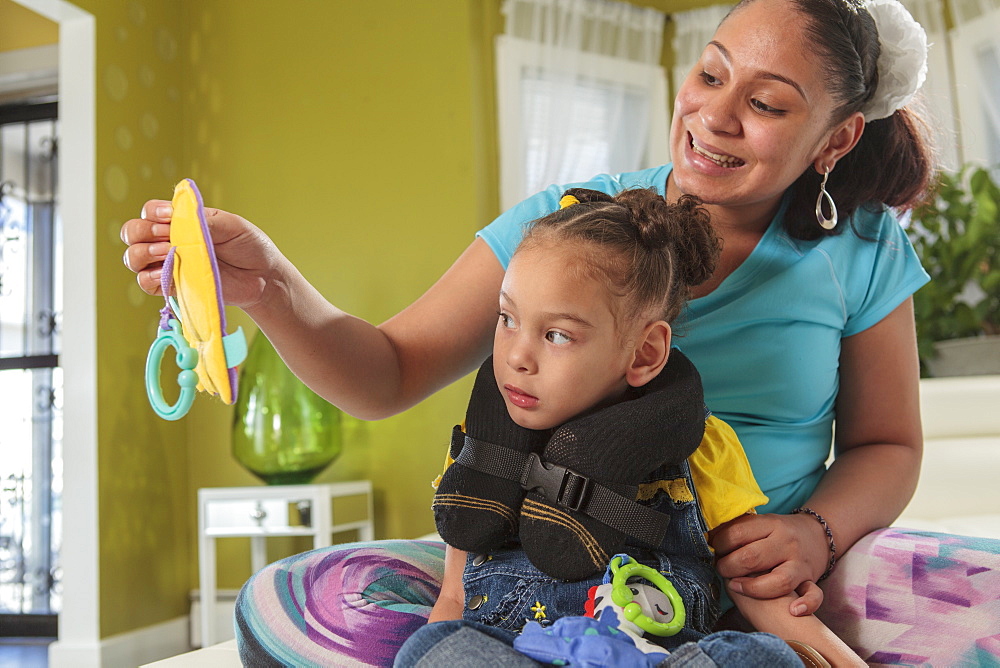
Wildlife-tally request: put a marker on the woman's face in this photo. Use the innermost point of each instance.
(753, 113)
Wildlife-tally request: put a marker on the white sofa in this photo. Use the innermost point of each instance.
(961, 464)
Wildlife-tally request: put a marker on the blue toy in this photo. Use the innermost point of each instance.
(619, 613)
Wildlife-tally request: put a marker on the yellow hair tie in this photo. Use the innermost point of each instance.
(568, 200)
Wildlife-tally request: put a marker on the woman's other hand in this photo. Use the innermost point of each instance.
(246, 257)
(767, 556)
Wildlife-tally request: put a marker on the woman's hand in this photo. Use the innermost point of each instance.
(767, 556)
(246, 257)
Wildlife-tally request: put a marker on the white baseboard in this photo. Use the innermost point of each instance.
(222, 624)
(125, 650)
(148, 644)
(68, 654)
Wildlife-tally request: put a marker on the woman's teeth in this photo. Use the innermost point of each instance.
(722, 160)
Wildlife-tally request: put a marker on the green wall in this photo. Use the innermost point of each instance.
(346, 131)
(22, 28)
(361, 137)
(357, 136)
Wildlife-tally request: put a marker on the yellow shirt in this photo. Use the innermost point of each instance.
(721, 474)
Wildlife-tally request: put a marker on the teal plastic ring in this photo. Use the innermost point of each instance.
(187, 379)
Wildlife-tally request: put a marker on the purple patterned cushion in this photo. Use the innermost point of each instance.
(898, 597)
(912, 598)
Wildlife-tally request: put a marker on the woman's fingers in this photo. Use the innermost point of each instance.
(778, 581)
(149, 279)
(157, 211)
(771, 556)
(143, 256)
(151, 228)
(809, 600)
(744, 546)
(739, 532)
(243, 253)
(148, 241)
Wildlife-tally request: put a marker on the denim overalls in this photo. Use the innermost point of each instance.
(504, 590)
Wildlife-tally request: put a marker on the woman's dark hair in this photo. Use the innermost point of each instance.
(893, 162)
(649, 252)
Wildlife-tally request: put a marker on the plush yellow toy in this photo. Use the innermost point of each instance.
(194, 318)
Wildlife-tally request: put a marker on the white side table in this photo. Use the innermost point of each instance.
(259, 512)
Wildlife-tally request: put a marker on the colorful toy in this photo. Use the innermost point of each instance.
(618, 614)
(193, 321)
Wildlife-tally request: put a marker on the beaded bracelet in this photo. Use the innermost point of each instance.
(829, 538)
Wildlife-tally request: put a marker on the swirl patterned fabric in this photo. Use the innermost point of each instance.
(898, 597)
(347, 605)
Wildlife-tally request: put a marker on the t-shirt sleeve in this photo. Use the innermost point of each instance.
(888, 273)
(505, 232)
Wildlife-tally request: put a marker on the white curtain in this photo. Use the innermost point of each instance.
(975, 47)
(937, 94)
(693, 30)
(580, 92)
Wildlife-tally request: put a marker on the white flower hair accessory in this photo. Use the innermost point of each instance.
(902, 63)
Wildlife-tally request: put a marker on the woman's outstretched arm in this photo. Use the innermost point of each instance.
(368, 371)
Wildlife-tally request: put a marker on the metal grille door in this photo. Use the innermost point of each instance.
(30, 377)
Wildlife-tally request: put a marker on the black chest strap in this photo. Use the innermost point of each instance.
(564, 487)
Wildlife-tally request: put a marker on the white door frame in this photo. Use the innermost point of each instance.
(79, 641)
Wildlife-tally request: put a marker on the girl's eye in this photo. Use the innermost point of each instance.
(557, 338)
(760, 106)
(505, 320)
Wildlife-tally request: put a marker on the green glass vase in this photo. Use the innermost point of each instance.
(283, 432)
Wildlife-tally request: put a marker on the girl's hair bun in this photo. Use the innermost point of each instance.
(650, 251)
(586, 195)
(684, 226)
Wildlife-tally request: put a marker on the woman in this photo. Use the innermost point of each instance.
(807, 316)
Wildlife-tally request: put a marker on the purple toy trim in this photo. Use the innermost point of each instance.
(166, 279)
(215, 274)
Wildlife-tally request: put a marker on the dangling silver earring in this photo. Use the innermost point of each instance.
(824, 222)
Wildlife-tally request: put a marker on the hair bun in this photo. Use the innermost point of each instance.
(684, 226)
(586, 195)
(698, 247)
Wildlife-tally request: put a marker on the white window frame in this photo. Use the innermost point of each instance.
(513, 59)
(966, 40)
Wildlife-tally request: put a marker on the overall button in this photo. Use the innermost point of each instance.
(480, 559)
(714, 587)
(476, 602)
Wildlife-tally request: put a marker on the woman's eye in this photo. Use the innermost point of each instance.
(505, 320)
(710, 79)
(557, 338)
(767, 109)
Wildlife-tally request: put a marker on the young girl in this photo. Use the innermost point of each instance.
(583, 378)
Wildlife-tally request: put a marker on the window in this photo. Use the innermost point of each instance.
(582, 102)
(30, 377)
(975, 47)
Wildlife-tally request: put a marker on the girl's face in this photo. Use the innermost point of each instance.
(557, 352)
(753, 113)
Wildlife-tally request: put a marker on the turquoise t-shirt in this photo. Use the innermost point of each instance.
(767, 340)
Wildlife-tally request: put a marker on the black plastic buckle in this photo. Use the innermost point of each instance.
(556, 483)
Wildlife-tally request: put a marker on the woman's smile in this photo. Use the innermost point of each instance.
(718, 157)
